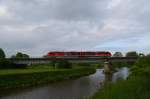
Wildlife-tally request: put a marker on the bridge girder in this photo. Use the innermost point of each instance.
(71, 59)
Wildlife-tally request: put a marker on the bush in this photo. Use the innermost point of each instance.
(63, 64)
(52, 63)
(5, 64)
(84, 64)
(142, 67)
(143, 62)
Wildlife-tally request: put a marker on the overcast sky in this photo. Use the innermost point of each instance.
(38, 26)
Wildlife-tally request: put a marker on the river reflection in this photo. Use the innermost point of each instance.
(121, 74)
(72, 89)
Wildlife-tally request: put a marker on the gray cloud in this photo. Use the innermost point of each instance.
(37, 26)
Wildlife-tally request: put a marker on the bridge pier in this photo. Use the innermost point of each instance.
(107, 67)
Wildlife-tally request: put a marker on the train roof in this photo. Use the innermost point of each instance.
(78, 51)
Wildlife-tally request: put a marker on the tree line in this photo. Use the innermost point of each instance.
(129, 54)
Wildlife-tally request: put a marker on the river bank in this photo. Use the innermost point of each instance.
(66, 89)
(84, 86)
(20, 78)
(135, 87)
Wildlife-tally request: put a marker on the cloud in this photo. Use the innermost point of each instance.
(38, 26)
(3, 11)
(113, 3)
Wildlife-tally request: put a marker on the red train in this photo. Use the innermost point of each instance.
(78, 54)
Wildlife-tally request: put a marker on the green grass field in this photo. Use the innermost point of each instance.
(36, 75)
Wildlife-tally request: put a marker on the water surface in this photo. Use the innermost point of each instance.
(71, 89)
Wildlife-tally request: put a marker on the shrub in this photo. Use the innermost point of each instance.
(84, 64)
(52, 63)
(5, 64)
(142, 67)
(143, 62)
(63, 64)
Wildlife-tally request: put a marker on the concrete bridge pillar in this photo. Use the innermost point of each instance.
(107, 67)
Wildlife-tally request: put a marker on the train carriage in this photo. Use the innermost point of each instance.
(78, 54)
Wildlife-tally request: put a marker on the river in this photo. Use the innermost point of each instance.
(70, 89)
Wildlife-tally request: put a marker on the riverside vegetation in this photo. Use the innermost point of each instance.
(135, 87)
(40, 74)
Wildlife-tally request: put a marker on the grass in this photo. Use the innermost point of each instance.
(28, 70)
(135, 87)
(32, 76)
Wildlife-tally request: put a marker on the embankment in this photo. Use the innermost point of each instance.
(24, 78)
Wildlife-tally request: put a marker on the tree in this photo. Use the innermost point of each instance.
(118, 54)
(21, 55)
(132, 54)
(141, 55)
(25, 55)
(4, 63)
(2, 54)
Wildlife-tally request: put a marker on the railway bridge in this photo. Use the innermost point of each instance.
(106, 60)
(72, 59)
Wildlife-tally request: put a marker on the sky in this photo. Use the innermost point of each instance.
(38, 26)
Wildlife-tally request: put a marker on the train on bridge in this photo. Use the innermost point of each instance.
(78, 54)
